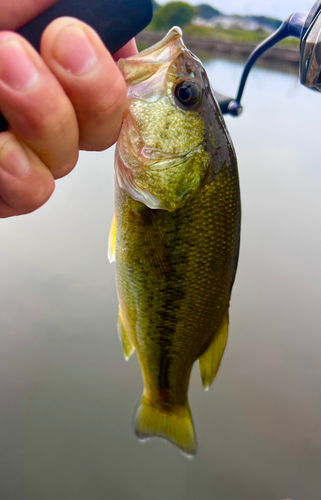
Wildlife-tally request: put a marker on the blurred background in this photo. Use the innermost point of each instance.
(67, 396)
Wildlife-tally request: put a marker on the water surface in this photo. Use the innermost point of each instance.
(66, 395)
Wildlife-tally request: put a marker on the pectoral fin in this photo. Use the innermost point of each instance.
(112, 241)
(128, 347)
(210, 361)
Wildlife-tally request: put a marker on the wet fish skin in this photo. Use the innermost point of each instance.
(176, 254)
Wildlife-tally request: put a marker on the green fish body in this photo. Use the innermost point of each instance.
(176, 232)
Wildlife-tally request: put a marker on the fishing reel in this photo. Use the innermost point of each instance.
(304, 26)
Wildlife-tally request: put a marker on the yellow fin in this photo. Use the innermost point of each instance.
(128, 347)
(112, 241)
(176, 427)
(210, 361)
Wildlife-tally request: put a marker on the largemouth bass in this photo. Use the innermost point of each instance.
(175, 234)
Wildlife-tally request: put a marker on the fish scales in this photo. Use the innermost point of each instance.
(175, 311)
(175, 264)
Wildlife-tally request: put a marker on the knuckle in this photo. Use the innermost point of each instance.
(106, 115)
(23, 200)
(62, 168)
(38, 199)
(6, 138)
(34, 199)
(113, 100)
(99, 143)
(52, 120)
(53, 133)
(22, 190)
(101, 100)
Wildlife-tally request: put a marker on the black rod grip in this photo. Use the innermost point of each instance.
(116, 22)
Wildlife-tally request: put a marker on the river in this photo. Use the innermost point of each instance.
(67, 396)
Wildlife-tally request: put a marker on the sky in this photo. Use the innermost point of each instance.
(279, 9)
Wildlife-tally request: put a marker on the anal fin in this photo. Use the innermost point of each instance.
(210, 361)
(128, 347)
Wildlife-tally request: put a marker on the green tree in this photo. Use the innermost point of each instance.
(155, 5)
(206, 11)
(172, 14)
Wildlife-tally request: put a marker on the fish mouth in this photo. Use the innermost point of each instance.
(142, 66)
(172, 40)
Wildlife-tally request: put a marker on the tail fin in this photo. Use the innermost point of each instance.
(176, 427)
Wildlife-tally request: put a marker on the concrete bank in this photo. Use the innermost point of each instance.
(289, 56)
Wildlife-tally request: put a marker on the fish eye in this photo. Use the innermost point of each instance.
(187, 93)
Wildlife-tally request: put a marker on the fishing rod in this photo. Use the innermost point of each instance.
(118, 21)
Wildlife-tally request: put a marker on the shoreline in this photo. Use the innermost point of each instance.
(241, 51)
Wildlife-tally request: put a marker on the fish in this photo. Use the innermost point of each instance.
(175, 234)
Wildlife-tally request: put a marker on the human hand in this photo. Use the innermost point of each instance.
(69, 97)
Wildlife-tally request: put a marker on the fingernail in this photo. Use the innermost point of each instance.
(16, 68)
(73, 50)
(13, 159)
